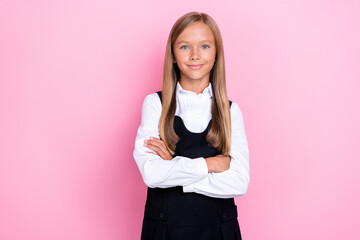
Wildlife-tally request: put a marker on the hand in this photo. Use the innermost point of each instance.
(218, 163)
(159, 147)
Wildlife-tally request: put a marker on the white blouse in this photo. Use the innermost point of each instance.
(192, 174)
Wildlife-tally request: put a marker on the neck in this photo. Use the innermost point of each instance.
(194, 86)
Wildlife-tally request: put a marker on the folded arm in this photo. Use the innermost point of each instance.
(234, 181)
(157, 172)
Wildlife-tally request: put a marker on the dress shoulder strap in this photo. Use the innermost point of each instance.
(160, 96)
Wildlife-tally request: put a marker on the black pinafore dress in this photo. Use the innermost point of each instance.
(171, 214)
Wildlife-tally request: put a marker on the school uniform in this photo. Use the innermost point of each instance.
(184, 201)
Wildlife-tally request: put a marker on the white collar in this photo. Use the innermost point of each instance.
(207, 90)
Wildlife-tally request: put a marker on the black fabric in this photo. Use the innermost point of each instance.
(171, 214)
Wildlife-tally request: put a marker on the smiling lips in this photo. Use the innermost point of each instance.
(195, 66)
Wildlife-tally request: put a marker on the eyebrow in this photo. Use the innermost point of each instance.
(188, 42)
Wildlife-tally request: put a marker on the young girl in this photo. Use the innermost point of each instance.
(191, 147)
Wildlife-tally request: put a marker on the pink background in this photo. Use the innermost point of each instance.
(74, 75)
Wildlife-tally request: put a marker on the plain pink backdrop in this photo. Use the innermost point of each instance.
(74, 75)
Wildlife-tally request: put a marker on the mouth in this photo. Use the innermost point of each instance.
(198, 66)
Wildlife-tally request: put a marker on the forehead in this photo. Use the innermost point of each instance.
(197, 32)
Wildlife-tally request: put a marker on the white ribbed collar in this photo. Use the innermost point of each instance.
(207, 90)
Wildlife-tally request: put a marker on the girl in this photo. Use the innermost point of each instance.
(191, 147)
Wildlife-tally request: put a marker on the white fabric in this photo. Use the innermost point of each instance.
(192, 174)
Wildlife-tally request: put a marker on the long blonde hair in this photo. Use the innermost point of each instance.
(219, 135)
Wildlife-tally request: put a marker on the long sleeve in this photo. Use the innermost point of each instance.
(234, 181)
(155, 171)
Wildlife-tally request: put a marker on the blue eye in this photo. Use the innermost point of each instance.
(183, 46)
(207, 46)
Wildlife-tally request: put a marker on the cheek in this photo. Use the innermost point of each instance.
(209, 55)
(179, 55)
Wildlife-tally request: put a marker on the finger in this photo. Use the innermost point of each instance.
(155, 148)
(158, 141)
(163, 147)
(152, 153)
(162, 152)
(160, 148)
(148, 145)
(165, 151)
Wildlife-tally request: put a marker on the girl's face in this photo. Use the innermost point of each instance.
(194, 52)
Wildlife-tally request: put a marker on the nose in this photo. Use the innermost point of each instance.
(195, 55)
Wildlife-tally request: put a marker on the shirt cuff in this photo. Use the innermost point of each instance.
(188, 188)
(202, 169)
(202, 173)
